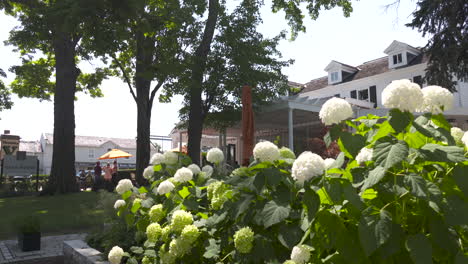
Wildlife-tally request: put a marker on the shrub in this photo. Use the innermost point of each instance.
(406, 202)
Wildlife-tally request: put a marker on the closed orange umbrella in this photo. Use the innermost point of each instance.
(114, 154)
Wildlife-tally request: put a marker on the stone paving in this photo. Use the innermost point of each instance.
(51, 247)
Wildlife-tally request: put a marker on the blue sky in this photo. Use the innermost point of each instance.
(353, 40)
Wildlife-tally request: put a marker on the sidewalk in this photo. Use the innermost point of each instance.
(51, 250)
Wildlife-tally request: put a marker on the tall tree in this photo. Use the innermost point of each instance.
(5, 100)
(48, 40)
(446, 21)
(202, 50)
(147, 39)
(239, 55)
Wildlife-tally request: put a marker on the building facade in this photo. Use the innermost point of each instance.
(366, 82)
(88, 149)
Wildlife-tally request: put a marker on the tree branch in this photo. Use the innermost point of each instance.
(155, 89)
(124, 74)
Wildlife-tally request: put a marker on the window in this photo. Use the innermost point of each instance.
(337, 95)
(334, 76)
(353, 94)
(91, 153)
(397, 59)
(364, 95)
(418, 80)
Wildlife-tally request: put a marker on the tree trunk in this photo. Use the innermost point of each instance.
(195, 124)
(62, 177)
(144, 59)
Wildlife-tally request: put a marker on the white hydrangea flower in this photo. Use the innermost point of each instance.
(148, 172)
(465, 139)
(208, 170)
(457, 133)
(436, 98)
(286, 153)
(300, 254)
(115, 255)
(307, 166)
(123, 186)
(266, 151)
(194, 168)
(183, 175)
(119, 203)
(164, 187)
(334, 111)
(243, 239)
(157, 158)
(364, 155)
(402, 94)
(329, 162)
(170, 157)
(180, 219)
(215, 155)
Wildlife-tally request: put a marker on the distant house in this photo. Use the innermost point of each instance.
(88, 149)
(366, 82)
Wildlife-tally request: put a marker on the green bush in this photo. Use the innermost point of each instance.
(397, 193)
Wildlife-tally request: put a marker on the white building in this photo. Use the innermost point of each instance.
(366, 82)
(88, 149)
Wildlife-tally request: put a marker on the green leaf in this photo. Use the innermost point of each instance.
(351, 195)
(439, 153)
(374, 177)
(135, 207)
(455, 210)
(351, 143)
(290, 235)
(399, 120)
(417, 184)
(184, 192)
(137, 250)
(127, 194)
(212, 250)
(332, 134)
(132, 261)
(420, 249)
(383, 228)
(273, 213)
(369, 194)
(312, 202)
(243, 205)
(259, 181)
(440, 121)
(334, 190)
(415, 139)
(374, 231)
(150, 253)
(460, 175)
(142, 224)
(142, 189)
(129, 219)
(157, 167)
(389, 152)
(384, 130)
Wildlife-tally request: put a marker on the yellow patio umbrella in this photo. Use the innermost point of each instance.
(115, 154)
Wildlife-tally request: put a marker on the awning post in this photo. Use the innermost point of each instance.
(290, 129)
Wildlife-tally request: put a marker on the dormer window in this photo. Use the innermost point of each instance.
(339, 72)
(334, 77)
(400, 54)
(397, 58)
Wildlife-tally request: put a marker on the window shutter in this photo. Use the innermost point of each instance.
(373, 95)
(353, 94)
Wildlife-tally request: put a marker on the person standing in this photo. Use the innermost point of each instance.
(97, 173)
(115, 169)
(108, 176)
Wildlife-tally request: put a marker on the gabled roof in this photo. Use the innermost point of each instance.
(335, 64)
(90, 141)
(397, 46)
(366, 69)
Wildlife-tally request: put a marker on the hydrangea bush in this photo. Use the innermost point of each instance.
(397, 193)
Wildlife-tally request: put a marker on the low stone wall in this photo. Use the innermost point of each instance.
(78, 252)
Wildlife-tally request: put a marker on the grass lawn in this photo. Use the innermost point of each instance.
(58, 213)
